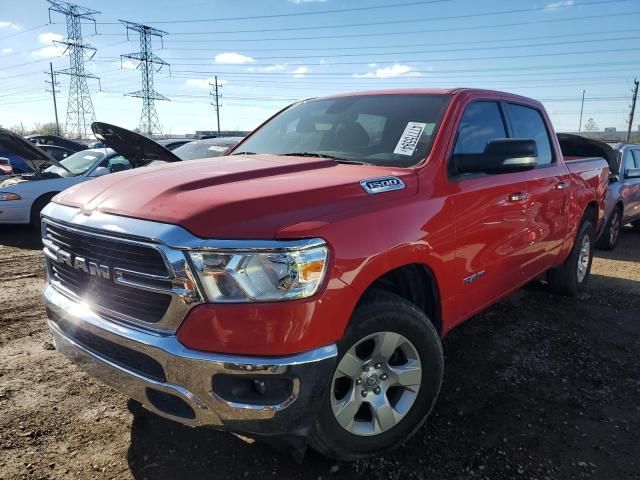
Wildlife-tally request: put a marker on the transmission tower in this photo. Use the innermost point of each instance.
(148, 64)
(80, 113)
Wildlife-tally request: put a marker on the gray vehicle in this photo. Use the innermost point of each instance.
(623, 196)
(622, 204)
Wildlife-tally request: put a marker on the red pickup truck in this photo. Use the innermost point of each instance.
(299, 287)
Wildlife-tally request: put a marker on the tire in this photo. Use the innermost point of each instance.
(570, 278)
(611, 233)
(37, 207)
(380, 321)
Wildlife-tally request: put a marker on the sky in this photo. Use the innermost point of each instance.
(269, 53)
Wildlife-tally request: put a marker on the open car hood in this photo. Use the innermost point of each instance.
(36, 158)
(578, 146)
(136, 148)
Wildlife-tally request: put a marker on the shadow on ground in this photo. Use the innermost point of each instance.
(20, 236)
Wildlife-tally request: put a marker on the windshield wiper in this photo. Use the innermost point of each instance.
(322, 155)
(244, 153)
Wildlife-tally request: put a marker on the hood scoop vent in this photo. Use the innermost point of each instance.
(382, 184)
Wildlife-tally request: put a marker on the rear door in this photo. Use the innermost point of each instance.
(548, 190)
(491, 227)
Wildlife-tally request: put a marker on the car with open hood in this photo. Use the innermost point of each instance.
(22, 156)
(22, 196)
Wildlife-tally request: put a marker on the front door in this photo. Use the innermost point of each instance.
(489, 217)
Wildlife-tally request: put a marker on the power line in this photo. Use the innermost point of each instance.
(24, 31)
(405, 32)
(299, 14)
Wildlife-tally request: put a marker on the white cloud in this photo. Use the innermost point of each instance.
(203, 82)
(5, 24)
(396, 70)
(298, 2)
(7, 50)
(127, 65)
(300, 72)
(47, 38)
(553, 6)
(52, 51)
(233, 58)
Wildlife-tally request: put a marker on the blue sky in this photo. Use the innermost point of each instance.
(549, 49)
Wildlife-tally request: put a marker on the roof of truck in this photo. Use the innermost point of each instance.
(430, 91)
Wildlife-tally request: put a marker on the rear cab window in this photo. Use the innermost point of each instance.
(527, 122)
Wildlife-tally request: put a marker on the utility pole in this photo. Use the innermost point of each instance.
(80, 113)
(53, 84)
(581, 110)
(633, 108)
(216, 96)
(148, 64)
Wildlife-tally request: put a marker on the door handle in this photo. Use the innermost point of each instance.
(561, 185)
(518, 197)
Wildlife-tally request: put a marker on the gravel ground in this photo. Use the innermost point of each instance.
(536, 387)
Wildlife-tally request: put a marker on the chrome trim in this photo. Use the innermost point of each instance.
(184, 290)
(382, 184)
(188, 372)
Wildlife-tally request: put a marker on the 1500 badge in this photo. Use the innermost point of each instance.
(382, 184)
(474, 277)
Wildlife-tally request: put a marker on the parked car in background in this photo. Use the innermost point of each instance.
(622, 204)
(57, 141)
(298, 289)
(207, 148)
(58, 153)
(5, 167)
(23, 156)
(623, 198)
(22, 197)
(173, 143)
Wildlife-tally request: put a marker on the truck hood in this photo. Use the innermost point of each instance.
(238, 197)
(136, 148)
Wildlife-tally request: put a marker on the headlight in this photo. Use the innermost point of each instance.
(261, 276)
(9, 196)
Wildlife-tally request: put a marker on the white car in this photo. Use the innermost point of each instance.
(22, 197)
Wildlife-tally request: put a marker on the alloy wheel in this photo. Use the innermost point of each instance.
(376, 383)
(583, 258)
(614, 228)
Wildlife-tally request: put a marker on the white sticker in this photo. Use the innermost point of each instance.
(410, 138)
(217, 148)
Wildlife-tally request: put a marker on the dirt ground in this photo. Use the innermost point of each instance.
(537, 387)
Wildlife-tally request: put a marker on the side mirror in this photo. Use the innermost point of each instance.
(503, 155)
(100, 171)
(633, 173)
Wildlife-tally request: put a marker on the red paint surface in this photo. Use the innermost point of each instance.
(454, 228)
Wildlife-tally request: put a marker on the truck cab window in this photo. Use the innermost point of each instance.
(528, 123)
(481, 122)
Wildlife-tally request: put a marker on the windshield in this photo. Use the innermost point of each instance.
(386, 130)
(77, 164)
(202, 149)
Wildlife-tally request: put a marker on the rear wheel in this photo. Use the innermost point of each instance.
(572, 276)
(386, 381)
(609, 238)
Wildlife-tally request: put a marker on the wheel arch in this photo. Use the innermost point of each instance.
(416, 282)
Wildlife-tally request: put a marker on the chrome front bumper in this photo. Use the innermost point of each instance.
(186, 385)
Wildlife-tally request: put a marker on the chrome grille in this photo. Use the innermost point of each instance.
(129, 263)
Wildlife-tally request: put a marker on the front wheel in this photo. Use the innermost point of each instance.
(572, 276)
(386, 381)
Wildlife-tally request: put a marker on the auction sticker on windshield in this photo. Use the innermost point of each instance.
(410, 138)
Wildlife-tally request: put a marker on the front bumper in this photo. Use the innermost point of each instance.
(175, 382)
